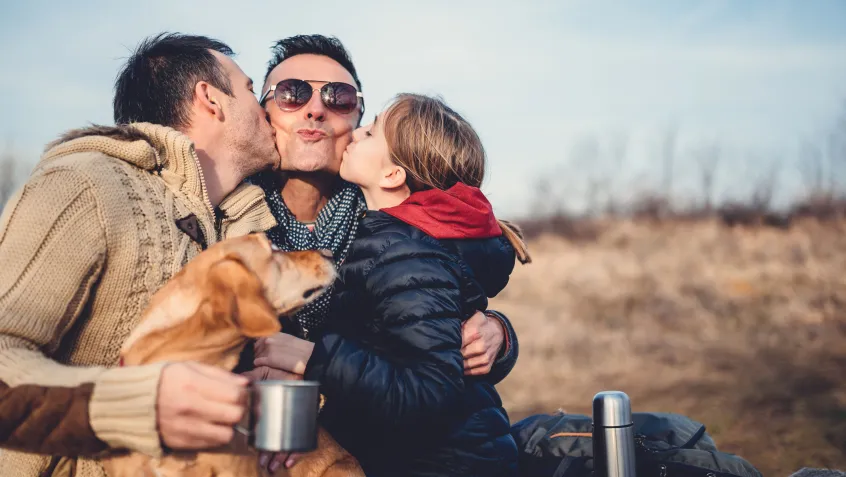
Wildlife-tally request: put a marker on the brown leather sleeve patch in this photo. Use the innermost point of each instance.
(48, 420)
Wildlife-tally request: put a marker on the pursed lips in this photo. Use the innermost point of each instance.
(311, 135)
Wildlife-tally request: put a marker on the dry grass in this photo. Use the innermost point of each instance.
(741, 329)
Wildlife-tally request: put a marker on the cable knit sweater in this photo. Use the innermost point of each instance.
(106, 218)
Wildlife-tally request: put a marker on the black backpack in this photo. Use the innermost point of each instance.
(666, 445)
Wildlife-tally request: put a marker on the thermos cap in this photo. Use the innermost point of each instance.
(612, 409)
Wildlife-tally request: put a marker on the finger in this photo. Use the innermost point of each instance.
(469, 337)
(478, 361)
(285, 375)
(198, 434)
(261, 373)
(219, 374)
(283, 362)
(278, 461)
(259, 347)
(282, 342)
(299, 368)
(218, 412)
(475, 349)
(292, 459)
(281, 374)
(264, 459)
(262, 345)
(263, 361)
(252, 375)
(274, 362)
(477, 371)
(218, 391)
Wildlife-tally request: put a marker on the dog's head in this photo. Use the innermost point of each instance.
(290, 279)
(233, 291)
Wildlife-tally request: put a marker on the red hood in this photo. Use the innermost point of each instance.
(460, 212)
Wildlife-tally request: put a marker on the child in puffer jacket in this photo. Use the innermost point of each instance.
(428, 254)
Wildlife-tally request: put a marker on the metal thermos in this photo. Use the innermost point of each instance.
(613, 435)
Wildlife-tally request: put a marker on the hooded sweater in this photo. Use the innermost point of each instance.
(107, 217)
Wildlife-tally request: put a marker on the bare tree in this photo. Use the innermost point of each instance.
(668, 156)
(544, 200)
(811, 167)
(585, 158)
(708, 159)
(615, 157)
(765, 187)
(837, 151)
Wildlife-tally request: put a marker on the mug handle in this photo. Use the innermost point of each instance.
(241, 430)
(247, 418)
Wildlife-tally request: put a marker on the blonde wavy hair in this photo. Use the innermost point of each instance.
(438, 148)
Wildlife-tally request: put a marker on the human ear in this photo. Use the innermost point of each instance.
(206, 96)
(392, 177)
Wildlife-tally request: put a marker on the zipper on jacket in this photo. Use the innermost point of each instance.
(218, 223)
(206, 199)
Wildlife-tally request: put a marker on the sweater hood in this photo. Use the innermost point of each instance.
(460, 212)
(463, 220)
(169, 152)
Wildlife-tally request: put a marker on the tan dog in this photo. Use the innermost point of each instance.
(233, 291)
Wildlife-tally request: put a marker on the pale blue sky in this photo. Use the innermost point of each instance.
(536, 78)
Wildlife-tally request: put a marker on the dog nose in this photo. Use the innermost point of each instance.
(325, 253)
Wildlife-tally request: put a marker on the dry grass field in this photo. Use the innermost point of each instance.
(742, 329)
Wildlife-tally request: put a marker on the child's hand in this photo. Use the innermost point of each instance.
(273, 461)
(284, 352)
(481, 340)
(263, 373)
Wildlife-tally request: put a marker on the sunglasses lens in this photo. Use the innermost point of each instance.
(340, 97)
(292, 94)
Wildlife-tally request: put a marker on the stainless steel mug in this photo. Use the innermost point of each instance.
(613, 435)
(283, 415)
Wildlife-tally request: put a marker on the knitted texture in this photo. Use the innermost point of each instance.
(83, 246)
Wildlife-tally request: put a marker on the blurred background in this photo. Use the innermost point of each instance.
(679, 168)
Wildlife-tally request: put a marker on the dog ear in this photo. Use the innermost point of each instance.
(250, 250)
(249, 309)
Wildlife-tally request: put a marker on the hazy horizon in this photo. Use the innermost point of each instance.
(551, 87)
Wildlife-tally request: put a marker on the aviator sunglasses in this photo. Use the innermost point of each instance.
(292, 94)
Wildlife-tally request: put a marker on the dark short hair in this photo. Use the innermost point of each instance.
(157, 83)
(311, 45)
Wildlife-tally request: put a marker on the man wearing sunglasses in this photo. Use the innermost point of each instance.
(314, 101)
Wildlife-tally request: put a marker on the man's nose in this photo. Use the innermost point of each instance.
(315, 110)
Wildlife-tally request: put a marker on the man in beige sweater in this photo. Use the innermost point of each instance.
(107, 217)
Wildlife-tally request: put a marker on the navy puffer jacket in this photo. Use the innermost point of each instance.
(391, 368)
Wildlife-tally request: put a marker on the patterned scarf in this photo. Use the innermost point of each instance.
(334, 230)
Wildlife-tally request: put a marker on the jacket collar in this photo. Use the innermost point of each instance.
(147, 146)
